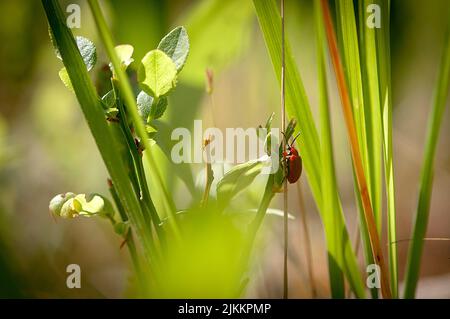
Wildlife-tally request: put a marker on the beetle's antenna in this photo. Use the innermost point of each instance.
(285, 138)
(295, 138)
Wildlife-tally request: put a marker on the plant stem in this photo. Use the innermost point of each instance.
(142, 279)
(209, 174)
(283, 129)
(129, 99)
(356, 155)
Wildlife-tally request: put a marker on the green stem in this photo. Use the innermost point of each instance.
(130, 241)
(129, 99)
(137, 170)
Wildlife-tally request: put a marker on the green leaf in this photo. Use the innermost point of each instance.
(157, 73)
(88, 53)
(87, 50)
(109, 100)
(176, 45)
(147, 108)
(64, 76)
(158, 110)
(144, 103)
(237, 179)
(109, 104)
(124, 53)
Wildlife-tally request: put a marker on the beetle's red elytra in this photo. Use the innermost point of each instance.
(293, 162)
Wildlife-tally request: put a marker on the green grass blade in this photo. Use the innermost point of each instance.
(384, 72)
(342, 257)
(93, 112)
(373, 107)
(330, 202)
(363, 186)
(426, 177)
(350, 53)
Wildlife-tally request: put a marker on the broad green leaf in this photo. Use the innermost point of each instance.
(88, 53)
(144, 103)
(64, 76)
(109, 104)
(147, 108)
(157, 73)
(176, 45)
(158, 110)
(87, 50)
(124, 53)
(109, 100)
(237, 179)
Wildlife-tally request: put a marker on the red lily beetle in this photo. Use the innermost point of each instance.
(293, 162)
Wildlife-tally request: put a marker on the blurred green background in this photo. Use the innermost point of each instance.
(46, 147)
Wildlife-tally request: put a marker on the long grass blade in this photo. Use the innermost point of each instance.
(356, 153)
(330, 202)
(426, 177)
(359, 51)
(351, 59)
(384, 73)
(373, 109)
